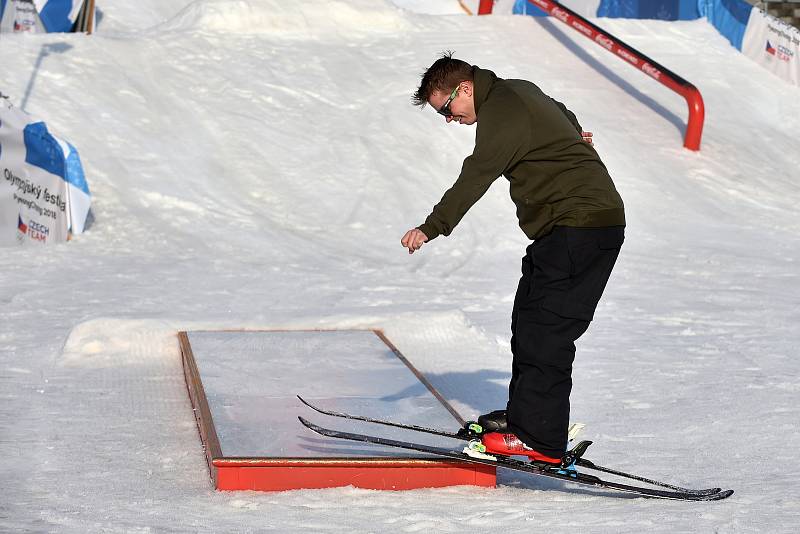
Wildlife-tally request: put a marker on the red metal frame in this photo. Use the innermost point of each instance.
(283, 473)
(694, 100)
(280, 474)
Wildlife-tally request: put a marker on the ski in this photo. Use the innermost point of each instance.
(470, 432)
(517, 465)
(463, 433)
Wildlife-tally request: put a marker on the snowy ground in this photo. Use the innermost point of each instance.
(255, 163)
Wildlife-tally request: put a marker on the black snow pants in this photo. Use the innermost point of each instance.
(563, 276)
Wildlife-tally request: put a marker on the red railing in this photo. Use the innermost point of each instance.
(694, 126)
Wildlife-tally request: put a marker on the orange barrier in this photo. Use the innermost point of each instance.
(694, 125)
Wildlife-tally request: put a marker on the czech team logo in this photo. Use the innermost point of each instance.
(781, 52)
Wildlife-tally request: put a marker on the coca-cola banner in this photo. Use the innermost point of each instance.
(773, 45)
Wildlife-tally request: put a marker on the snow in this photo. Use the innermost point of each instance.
(254, 165)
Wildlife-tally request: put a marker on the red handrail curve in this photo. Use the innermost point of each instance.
(694, 125)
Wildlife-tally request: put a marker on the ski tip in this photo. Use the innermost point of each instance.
(306, 423)
(716, 496)
(301, 399)
(318, 429)
(719, 496)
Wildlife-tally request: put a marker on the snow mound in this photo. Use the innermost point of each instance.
(106, 342)
(304, 20)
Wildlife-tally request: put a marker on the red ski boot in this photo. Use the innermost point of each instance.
(511, 445)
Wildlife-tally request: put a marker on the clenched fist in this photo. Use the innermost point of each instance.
(413, 240)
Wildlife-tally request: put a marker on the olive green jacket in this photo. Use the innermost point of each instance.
(555, 177)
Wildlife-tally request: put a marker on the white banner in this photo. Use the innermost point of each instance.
(39, 16)
(774, 45)
(20, 16)
(44, 196)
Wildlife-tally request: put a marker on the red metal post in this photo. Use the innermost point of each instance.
(485, 7)
(697, 113)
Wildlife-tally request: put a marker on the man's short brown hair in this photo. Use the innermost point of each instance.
(443, 76)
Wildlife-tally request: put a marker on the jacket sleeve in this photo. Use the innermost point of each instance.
(570, 115)
(502, 133)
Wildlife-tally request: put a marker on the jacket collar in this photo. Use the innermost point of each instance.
(483, 81)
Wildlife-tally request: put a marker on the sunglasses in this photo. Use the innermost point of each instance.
(445, 109)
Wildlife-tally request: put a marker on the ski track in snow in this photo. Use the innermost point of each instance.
(254, 164)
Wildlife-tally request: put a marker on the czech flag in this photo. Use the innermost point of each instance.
(770, 50)
(21, 226)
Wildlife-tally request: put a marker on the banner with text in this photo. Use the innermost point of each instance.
(774, 45)
(38, 16)
(44, 196)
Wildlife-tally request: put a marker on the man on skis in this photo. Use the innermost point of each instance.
(566, 204)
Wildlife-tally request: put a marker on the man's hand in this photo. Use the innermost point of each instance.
(413, 240)
(587, 137)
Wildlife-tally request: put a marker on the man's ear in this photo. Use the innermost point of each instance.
(467, 87)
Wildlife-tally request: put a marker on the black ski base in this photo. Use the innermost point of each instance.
(517, 465)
